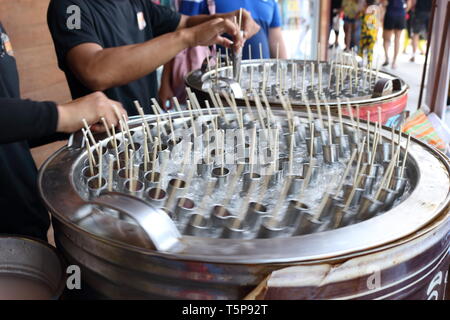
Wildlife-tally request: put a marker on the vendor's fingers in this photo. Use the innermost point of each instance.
(249, 25)
(233, 29)
(98, 128)
(119, 111)
(224, 42)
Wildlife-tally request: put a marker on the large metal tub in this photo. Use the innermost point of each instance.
(118, 261)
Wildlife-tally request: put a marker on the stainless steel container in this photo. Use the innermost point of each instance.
(30, 270)
(386, 91)
(119, 258)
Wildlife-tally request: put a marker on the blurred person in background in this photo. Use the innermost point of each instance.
(335, 20)
(420, 21)
(266, 13)
(351, 9)
(394, 24)
(369, 30)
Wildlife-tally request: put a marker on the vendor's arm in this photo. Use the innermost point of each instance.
(165, 90)
(100, 69)
(29, 120)
(276, 40)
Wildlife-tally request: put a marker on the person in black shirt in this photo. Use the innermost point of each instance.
(118, 44)
(24, 124)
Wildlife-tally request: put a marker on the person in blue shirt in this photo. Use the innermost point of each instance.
(265, 12)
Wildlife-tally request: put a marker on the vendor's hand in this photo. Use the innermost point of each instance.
(93, 108)
(210, 33)
(249, 26)
(165, 96)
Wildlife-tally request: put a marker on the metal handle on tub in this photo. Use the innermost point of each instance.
(157, 225)
(383, 84)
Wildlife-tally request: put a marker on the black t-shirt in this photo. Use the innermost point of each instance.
(110, 23)
(21, 211)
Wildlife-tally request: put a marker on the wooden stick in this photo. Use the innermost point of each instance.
(222, 108)
(141, 113)
(341, 125)
(278, 61)
(178, 108)
(251, 76)
(127, 128)
(358, 164)
(312, 163)
(392, 141)
(158, 127)
(260, 51)
(146, 153)
(110, 174)
(240, 18)
(291, 153)
(217, 67)
(100, 165)
(330, 123)
(155, 152)
(194, 129)
(161, 174)
(355, 186)
(264, 82)
(88, 131)
(405, 157)
(90, 156)
(130, 171)
(319, 109)
(259, 109)
(374, 148)
(155, 102)
(304, 77)
(311, 150)
(195, 101)
(320, 78)
(249, 109)
(172, 129)
(105, 124)
(213, 98)
(350, 113)
(386, 174)
(116, 149)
